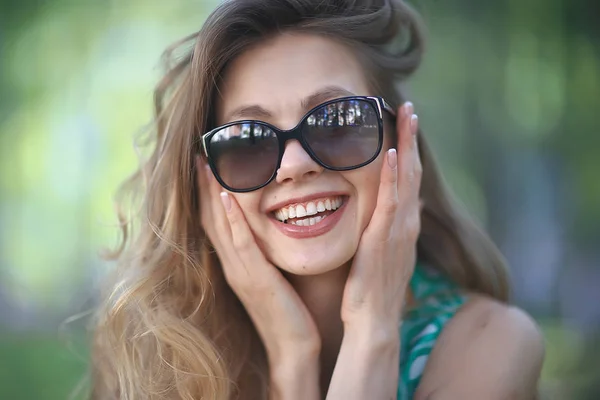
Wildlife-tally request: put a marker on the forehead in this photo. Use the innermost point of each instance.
(279, 74)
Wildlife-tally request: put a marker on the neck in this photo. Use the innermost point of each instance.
(322, 295)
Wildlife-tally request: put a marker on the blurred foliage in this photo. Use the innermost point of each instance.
(39, 367)
(508, 95)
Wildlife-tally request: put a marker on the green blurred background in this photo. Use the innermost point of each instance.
(508, 94)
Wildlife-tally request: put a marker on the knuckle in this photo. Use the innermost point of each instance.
(418, 170)
(242, 243)
(411, 176)
(413, 228)
(390, 205)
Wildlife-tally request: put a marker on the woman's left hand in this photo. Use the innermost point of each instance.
(384, 262)
(368, 363)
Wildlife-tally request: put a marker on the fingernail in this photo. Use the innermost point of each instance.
(226, 201)
(392, 158)
(414, 121)
(409, 108)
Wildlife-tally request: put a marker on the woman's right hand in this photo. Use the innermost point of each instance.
(283, 322)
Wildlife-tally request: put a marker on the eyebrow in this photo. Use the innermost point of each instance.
(254, 111)
(320, 96)
(324, 94)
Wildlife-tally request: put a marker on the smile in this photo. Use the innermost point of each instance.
(308, 213)
(309, 217)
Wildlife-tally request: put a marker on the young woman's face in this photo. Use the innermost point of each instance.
(277, 82)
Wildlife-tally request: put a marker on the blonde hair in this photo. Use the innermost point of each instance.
(170, 327)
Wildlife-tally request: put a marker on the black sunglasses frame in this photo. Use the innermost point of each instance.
(283, 136)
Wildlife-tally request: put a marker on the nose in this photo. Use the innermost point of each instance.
(296, 164)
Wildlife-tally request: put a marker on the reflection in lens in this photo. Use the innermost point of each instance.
(343, 134)
(245, 154)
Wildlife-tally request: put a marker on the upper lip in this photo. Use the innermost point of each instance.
(303, 199)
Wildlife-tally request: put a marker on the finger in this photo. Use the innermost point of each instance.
(412, 172)
(418, 166)
(387, 195)
(405, 141)
(408, 151)
(410, 167)
(403, 125)
(242, 237)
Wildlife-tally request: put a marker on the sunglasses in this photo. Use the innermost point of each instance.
(339, 135)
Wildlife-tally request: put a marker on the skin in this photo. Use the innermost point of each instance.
(328, 308)
(278, 79)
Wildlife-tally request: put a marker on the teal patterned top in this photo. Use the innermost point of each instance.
(436, 300)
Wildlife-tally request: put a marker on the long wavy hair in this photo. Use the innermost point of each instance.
(170, 327)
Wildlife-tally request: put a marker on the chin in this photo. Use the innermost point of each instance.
(314, 252)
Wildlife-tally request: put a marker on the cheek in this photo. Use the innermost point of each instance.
(250, 205)
(370, 192)
(366, 182)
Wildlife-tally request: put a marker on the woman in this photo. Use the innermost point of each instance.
(296, 240)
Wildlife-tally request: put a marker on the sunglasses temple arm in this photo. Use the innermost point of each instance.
(388, 108)
(204, 147)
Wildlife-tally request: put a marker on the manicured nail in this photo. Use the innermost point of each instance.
(392, 158)
(409, 108)
(414, 121)
(226, 201)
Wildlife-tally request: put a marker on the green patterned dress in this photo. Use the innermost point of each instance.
(437, 299)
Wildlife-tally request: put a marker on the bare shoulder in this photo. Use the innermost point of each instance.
(483, 318)
(488, 349)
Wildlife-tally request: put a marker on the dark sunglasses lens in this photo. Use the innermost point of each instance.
(343, 134)
(245, 155)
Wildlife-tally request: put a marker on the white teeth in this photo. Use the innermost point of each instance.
(300, 211)
(320, 206)
(311, 208)
(308, 221)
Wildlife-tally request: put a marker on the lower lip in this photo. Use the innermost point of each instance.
(318, 229)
